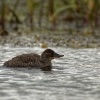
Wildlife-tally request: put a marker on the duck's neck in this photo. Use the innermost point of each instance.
(47, 65)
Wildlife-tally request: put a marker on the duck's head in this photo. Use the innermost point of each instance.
(46, 58)
(49, 54)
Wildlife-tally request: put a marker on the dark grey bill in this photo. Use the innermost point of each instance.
(57, 55)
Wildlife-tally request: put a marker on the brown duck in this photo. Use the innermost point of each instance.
(32, 60)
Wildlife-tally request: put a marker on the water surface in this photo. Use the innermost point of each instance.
(76, 76)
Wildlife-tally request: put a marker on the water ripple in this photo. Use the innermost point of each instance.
(74, 77)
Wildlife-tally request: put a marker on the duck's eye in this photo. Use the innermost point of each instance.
(53, 58)
(48, 55)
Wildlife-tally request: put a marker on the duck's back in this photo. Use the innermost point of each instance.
(27, 58)
(24, 60)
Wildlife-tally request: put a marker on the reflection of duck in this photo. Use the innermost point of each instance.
(42, 61)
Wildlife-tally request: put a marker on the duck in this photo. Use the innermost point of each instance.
(32, 60)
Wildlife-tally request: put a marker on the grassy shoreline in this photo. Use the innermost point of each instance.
(51, 38)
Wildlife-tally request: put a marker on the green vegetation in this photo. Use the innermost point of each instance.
(79, 19)
(50, 14)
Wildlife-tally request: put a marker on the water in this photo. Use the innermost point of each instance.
(76, 76)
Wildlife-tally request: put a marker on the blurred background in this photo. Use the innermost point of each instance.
(76, 18)
(69, 27)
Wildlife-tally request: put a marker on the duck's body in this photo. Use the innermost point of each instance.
(42, 61)
(24, 60)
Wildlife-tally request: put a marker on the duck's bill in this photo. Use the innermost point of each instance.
(57, 55)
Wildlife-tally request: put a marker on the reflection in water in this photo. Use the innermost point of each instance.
(74, 77)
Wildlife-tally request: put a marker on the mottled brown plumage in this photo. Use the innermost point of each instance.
(42, 61)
